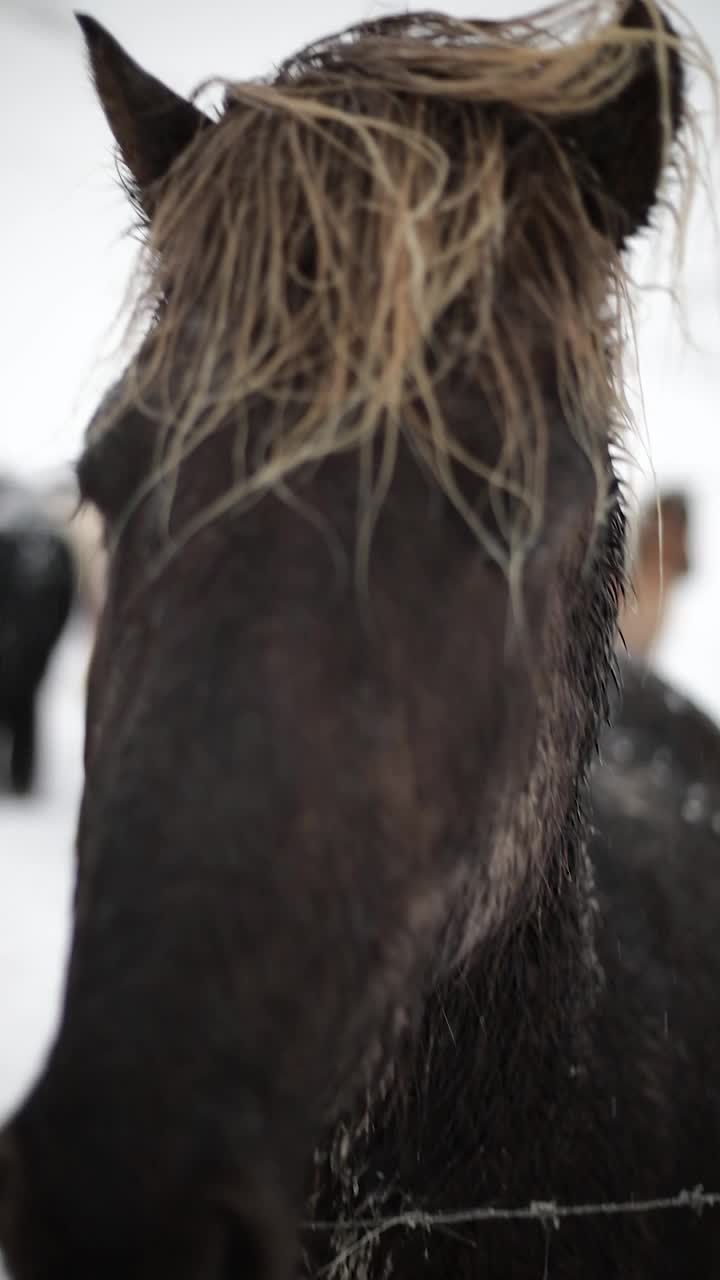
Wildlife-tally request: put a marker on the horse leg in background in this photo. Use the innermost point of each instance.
(22, 759)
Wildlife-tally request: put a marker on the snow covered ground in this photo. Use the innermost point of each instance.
(63, 263)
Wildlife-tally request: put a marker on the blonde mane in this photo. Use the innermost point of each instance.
(390, 217)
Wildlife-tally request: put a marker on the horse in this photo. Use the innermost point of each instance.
(37, 585)
(660, 562)
(375, 971)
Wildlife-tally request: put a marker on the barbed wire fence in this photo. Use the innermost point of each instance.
(547, 1213)
(550, 1211)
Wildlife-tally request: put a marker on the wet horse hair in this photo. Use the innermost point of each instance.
(372, 957)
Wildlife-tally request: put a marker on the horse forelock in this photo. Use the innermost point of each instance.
(390, 216)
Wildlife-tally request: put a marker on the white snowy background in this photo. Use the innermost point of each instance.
(64, 263)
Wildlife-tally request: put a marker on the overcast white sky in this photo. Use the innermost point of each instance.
(64, 261)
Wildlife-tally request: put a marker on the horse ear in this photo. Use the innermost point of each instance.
(151, 125)
(621, 147)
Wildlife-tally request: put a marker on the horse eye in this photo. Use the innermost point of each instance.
(114, 464)
(84, 474)
(96, 484)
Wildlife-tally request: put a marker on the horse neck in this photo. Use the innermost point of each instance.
(528, 990)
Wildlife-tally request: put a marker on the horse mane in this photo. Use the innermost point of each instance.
(390, 216)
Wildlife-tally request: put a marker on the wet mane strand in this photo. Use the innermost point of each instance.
(389, 216)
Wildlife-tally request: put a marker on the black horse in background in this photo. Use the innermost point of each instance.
(36, 594)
